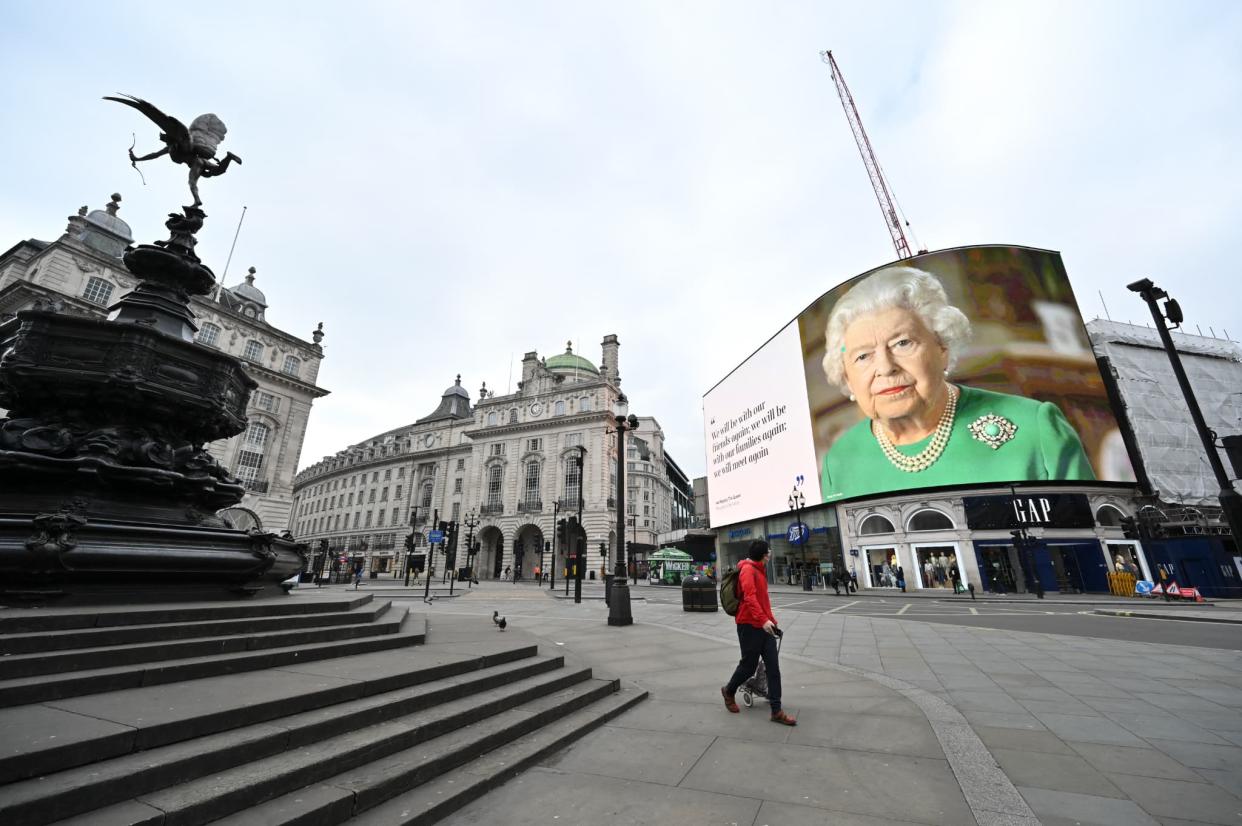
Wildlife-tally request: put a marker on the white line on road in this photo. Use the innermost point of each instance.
(841, 607)
(799, 602)
(974, 610)
(904, 608)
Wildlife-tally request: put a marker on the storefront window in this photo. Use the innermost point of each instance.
(938, 567)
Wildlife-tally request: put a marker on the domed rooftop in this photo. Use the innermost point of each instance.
(454, 404)
(247, 291)
(106, 219)
(567, 362)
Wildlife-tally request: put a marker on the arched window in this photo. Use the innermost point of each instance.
(559, 409)
(292, 365)
(573, 479)
(530, 491)
(250, 456)
(491, 419)
(1108, 516)
(584, 404)
(875, 524)
(929, 520)
(513, 416)
(253, 351)
(495, 475)
(208, 334)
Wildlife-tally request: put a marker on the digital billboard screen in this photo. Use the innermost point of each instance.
(958, 367)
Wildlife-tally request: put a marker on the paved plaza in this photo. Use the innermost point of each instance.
(900, 720)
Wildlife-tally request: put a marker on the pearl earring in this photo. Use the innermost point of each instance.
(946, 372)
(852, 398)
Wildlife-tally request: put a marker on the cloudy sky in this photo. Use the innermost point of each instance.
(449, 185)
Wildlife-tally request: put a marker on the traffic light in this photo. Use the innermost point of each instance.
(452, 536)
(603, 549)
(443, 526)
(1129, 527)
(629, 549)
(409, 542)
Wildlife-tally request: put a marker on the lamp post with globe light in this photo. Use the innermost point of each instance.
(619, 599)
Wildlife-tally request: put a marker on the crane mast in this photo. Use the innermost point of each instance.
(881, 187)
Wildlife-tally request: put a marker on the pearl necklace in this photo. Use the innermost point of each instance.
(926, 457)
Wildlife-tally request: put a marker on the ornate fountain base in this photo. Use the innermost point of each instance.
(106, 489)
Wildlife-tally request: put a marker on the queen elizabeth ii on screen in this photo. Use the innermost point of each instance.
(891, 342)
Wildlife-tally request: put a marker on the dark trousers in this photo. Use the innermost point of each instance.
(757, 643)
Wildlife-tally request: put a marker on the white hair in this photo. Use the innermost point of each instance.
(906, 287)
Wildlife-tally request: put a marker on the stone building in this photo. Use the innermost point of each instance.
(82, 272)
(506, 467)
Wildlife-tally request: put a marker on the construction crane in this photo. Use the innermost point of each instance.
(883, 192)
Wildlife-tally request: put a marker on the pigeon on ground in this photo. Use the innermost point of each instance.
(498, 620)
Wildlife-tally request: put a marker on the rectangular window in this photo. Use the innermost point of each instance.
(374, 476)
(573, 439)
(387, 474)
(357, 518)
(208, 334)
(265, 401)
(534, 444)
(400, 473)
(397, 495)
(532, 483)
(498, 450)
(395, 514)
(384, 495)
(457, 485)
(253, 351)
(351, 499)
(573, 479)
(456, 511)
(461, 464)
(493, 485)
(292, 365)
(98, 291)
(371, 496)
(379, 520)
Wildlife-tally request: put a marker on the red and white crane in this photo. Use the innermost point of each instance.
(883, 192)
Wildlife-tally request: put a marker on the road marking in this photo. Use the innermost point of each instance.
(842, 607)
(974, 611)
(799, 602)
(904, 608)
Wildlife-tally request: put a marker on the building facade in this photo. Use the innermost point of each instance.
(507, 468)
(83, 272)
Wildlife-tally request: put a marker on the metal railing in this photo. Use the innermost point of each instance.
(256, 485)
(568, 504)
(491, 508)
(530, 506)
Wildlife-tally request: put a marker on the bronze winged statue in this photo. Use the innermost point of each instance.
(194, 146)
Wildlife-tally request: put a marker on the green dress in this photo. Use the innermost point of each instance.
(1042, 445)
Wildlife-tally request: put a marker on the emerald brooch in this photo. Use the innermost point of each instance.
(993, 430)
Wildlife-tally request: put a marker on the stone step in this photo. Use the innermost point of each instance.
(453, 734)
(51, 687)
(431, 802)
(368, 795)
(367, 624)
(43, 739)
(70, 792)
(130, 634)
(30, 620)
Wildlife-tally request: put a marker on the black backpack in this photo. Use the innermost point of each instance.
(730, 593)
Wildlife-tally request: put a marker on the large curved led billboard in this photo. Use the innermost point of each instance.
(959, 367)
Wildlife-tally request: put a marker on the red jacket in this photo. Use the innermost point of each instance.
(752, 584)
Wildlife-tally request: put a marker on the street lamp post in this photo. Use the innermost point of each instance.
(1230, 499)
(796, 503)
(579, 547)
(409, 545)
(431, 550)
(619, 604)
(556, 530)
(471, 522)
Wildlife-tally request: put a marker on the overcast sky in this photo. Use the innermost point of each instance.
(449, 185)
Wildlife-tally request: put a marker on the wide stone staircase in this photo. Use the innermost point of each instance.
(305, 710)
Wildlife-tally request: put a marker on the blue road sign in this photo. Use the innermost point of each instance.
(797, 533)
(435, 536)
(1143, 587)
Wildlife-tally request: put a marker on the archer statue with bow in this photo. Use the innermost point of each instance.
(194, 146)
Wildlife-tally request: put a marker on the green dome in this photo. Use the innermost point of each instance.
(567, 362)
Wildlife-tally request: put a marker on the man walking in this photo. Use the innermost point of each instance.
(756, 633)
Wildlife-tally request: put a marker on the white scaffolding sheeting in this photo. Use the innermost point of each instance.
(1168, 443)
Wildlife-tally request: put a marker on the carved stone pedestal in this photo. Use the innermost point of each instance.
(106, 490)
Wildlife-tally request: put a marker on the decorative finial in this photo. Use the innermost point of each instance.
(112, 207)
(458, 383)
(483, 391)
(318, 334)
(82, 210)
(569, 347)
(250, 275)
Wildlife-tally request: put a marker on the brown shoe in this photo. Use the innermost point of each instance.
(784, 719)
(730, 703)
